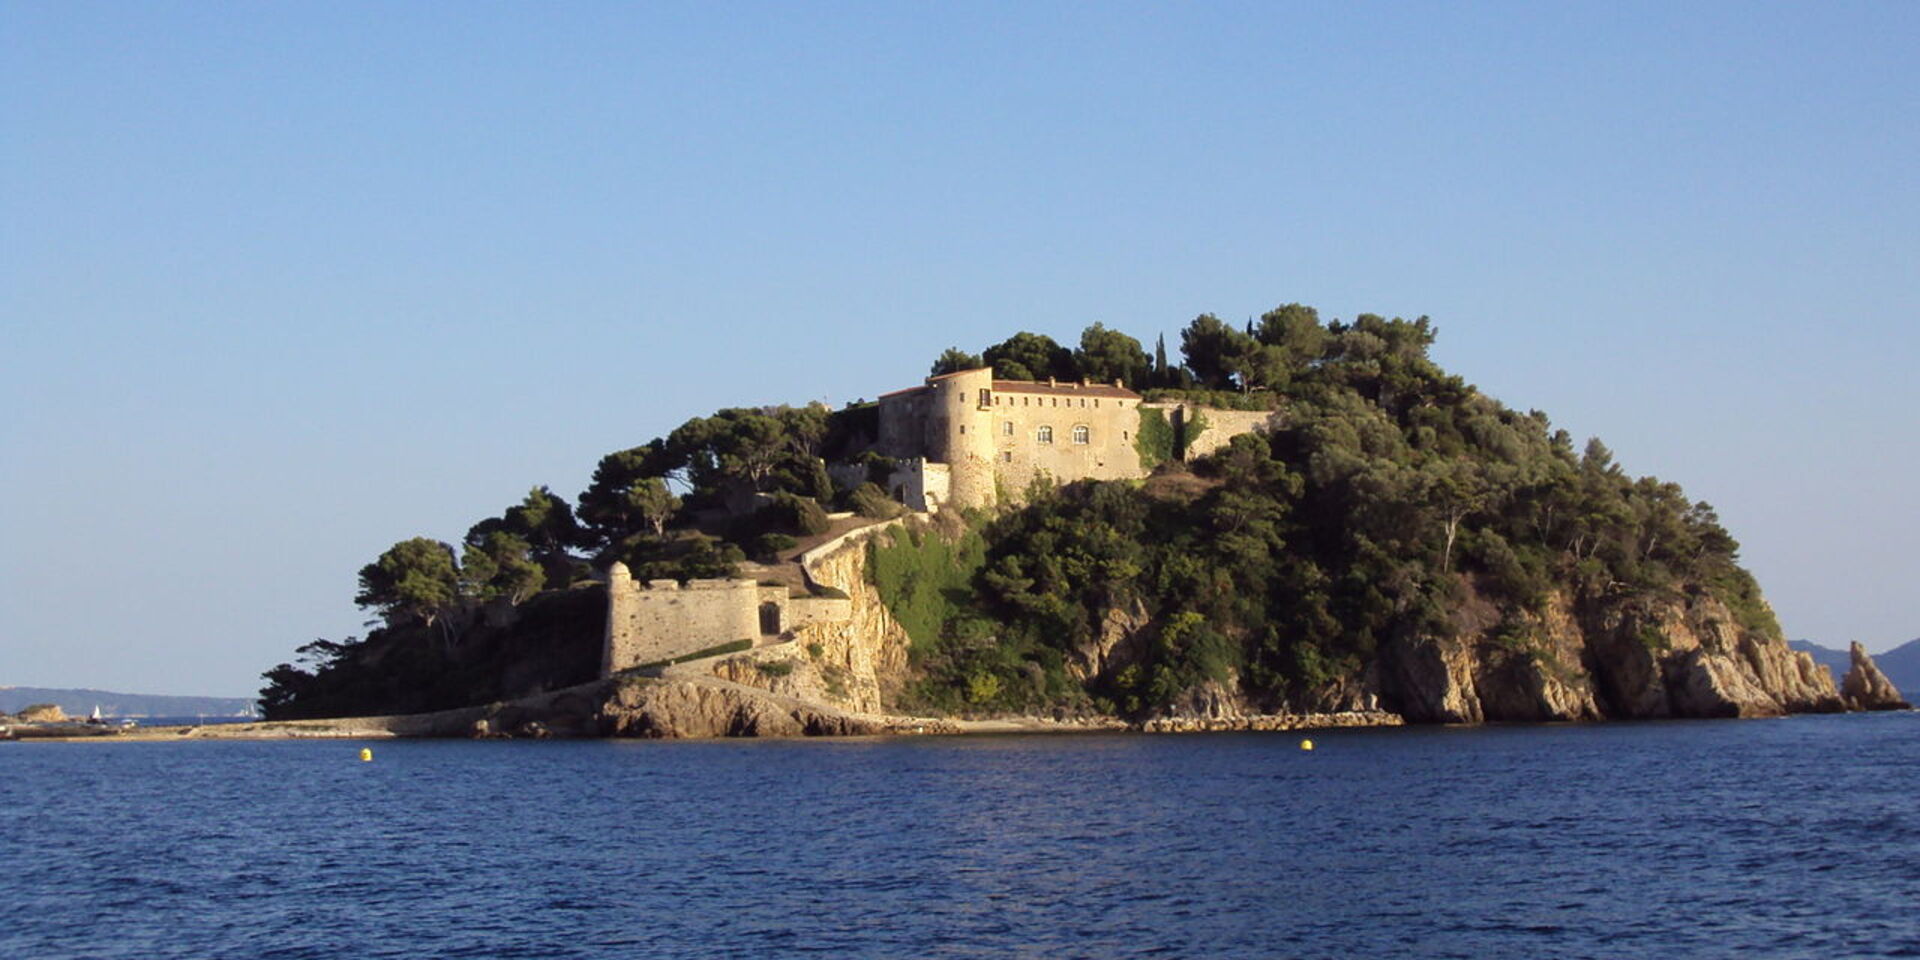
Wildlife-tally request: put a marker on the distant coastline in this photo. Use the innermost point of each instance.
(81, 701)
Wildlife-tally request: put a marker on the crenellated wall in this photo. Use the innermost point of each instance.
(662, 620)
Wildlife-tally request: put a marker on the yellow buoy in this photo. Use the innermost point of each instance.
(1306, 744)
(366, 754)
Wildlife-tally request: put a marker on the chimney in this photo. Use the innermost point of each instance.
(1051, 382)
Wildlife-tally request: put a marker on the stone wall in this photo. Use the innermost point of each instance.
(1219, 427)
(662, 619)
(920, 484)
(858, 662)
(801, 611)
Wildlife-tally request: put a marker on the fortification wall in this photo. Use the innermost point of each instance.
(663, 620)
(1219, 427)
(921, 484)
(801, 611)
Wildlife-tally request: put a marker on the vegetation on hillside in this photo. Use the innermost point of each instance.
(1283, 563)
(1275, 569)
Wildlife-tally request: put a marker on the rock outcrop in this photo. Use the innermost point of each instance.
(717, 708)
(1866, 688)
(858, 664)
(43, 713)
(1682, 656)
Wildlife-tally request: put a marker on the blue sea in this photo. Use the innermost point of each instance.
(1771, 838)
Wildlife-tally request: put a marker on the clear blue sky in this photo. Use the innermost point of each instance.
(281, 284)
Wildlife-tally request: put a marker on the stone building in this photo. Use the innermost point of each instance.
(967, 439)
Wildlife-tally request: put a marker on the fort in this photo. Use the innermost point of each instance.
(962, 439)
(968, 440)
(662, 620)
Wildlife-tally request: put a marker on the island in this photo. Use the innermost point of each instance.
(1297, 524)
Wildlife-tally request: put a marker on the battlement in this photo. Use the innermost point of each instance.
(665, 619)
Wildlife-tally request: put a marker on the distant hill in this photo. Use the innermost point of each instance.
(80, 703)
(1901, 664)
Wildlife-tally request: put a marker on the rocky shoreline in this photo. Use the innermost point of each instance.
(678, 708)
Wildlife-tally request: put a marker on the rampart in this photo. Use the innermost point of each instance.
(1217, 427)
(662, 620)
(1199, 431)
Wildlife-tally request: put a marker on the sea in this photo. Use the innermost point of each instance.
(1797, 837)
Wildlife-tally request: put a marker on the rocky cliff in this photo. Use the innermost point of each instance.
(1866, 688)
(859, 664)
(1680, 656)
(1683, 656)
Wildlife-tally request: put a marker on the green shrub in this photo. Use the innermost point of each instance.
(768, 546)
(796, 515)
(1154, 440)
(920, 574)
(735, 647)
(868, 500)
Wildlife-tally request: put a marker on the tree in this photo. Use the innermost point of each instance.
(415, 578)
(954, 360)
(1458, 487)
(649, 500)
(1109, 355)
(1287, 341)
(545, 522)
(1215, 351)
(500, 566)
(1030, 356)
(609, 506)
(751, 450)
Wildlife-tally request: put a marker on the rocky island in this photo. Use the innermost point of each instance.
(1299, 524)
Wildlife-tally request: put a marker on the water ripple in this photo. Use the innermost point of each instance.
(1778, 838)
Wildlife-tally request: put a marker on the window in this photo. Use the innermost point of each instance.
(1006, 428)
(1082, 435)
(1006, 457)
(1045, 435)
(986, 398)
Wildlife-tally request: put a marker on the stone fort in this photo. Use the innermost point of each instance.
(661, 619)
(968, 440)
(961, 439)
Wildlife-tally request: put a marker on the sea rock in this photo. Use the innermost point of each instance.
(1865, 687)
(44, 713)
